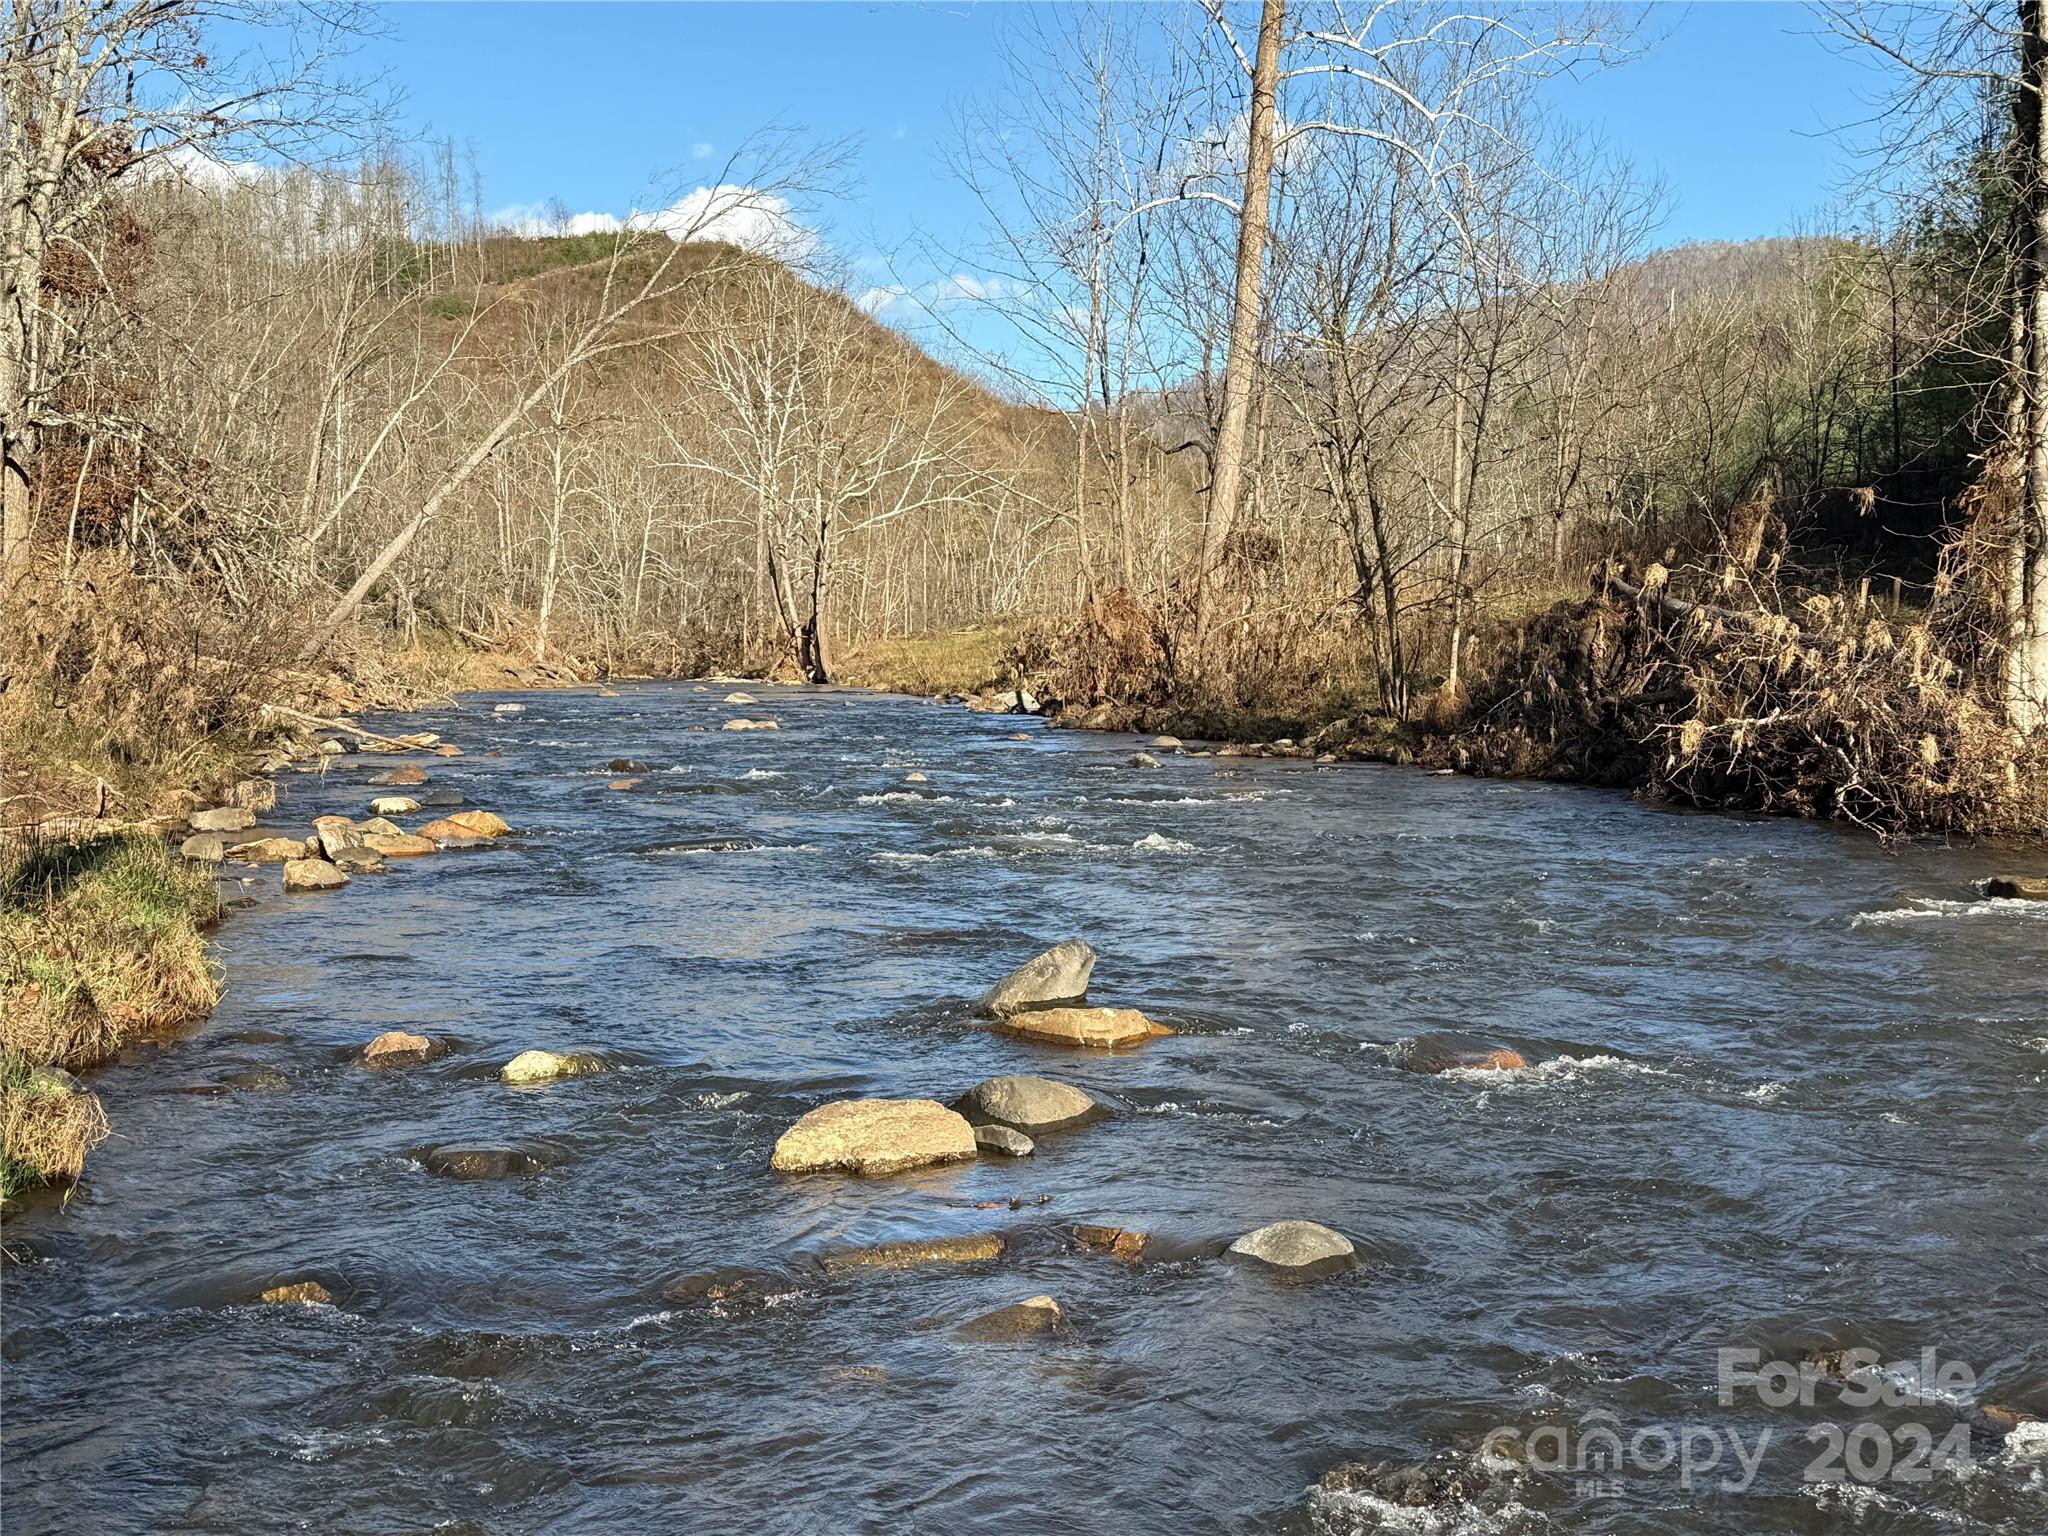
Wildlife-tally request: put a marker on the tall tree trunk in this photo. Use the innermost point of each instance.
(2026, 669)
(1240, 365)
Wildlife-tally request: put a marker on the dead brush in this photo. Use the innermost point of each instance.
(1810, 704)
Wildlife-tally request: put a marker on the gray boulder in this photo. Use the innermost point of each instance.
(223, 818)
(1031, 1104)
(1060, 975)
(1002, 1141)
(205, 847)
(336, 836)
(1303, 1248)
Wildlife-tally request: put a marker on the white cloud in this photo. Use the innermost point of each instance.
(702, 151)
(958, 288)
(747, 217)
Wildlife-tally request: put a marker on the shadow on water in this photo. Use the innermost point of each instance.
(1786, 1094)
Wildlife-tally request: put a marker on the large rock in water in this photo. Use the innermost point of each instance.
(2002, 887)
(335, 834)
(204, 848)
(1060, 975)
(398, 845)
(404, 776)
(396, 1048)
(1303, 1248)
(546, 1066)
(477, 823)
(222, 818)
(874, 1136)
(1031, 1316)
(1033, 1104)
(480, 1162)
(1003, 1141)
(313, 875)
(1097, 1028)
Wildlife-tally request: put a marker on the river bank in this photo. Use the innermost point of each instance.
(768, 922)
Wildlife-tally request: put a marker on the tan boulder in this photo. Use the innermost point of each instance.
(1031, 1316)
(309, 1293)
(1098, 1028)
(272, 850)
(393, 805)
(752, 725)
(974, 1248)
(404, 776)
(396, 1048)
(313, 875)
(448, 751)
(1117, 1240)
(400, 845)
(546, 1066)
(480, 823)
(874, 1136)
(1059, 975)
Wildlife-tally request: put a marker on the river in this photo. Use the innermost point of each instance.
(1787, 1092)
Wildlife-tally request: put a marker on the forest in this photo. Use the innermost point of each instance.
(1342, 384)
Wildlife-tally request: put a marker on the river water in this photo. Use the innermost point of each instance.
(1787, 1092)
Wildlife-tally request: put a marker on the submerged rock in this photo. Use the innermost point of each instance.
(623, 784)
(1003, 1142)
(404, 776)
(396, 1048)
(874, 1136)
(1117, 1240)
(741, 698)
(304, 1292)
(222, 818)
(546, 1066)
(480, 1162)
(1166, 743)
(313, 875)
(1144, 760)
(1033, 1104)
(1433, 1485)
(2001, 887)
(204, 847)
(1059, 975)
(973, 1248)
(1097, 1028)
(508, 709)
(627, 765)
(362, 860)
(752, 725)
(1301, 1248)
(1032, 1316)
(1502, 1060)
(437, 799)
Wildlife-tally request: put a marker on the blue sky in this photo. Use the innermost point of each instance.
(596, 105)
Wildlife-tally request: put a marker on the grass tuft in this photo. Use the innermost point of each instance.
(47, 1126)
(100, 942)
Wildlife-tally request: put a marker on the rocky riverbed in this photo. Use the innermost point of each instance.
(670, 1151)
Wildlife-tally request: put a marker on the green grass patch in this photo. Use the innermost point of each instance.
(100, 941)
(47, 1126)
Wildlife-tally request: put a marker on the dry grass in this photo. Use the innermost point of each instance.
(46, 1128)
(100, 942)
(960, 661)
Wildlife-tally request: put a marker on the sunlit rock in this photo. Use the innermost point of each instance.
(222, 818)
(1026, 1319)
(1298, 1247)
(546, 1066)
(313, 875)
(1060, 975)
(1030, 1104)
(874, 1136)
(1001, 1141)
(1097, 1028)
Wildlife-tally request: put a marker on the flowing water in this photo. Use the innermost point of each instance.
(1787, 1092)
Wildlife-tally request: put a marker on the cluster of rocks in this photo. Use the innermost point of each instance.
(1044, 1000)
(339, 846)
